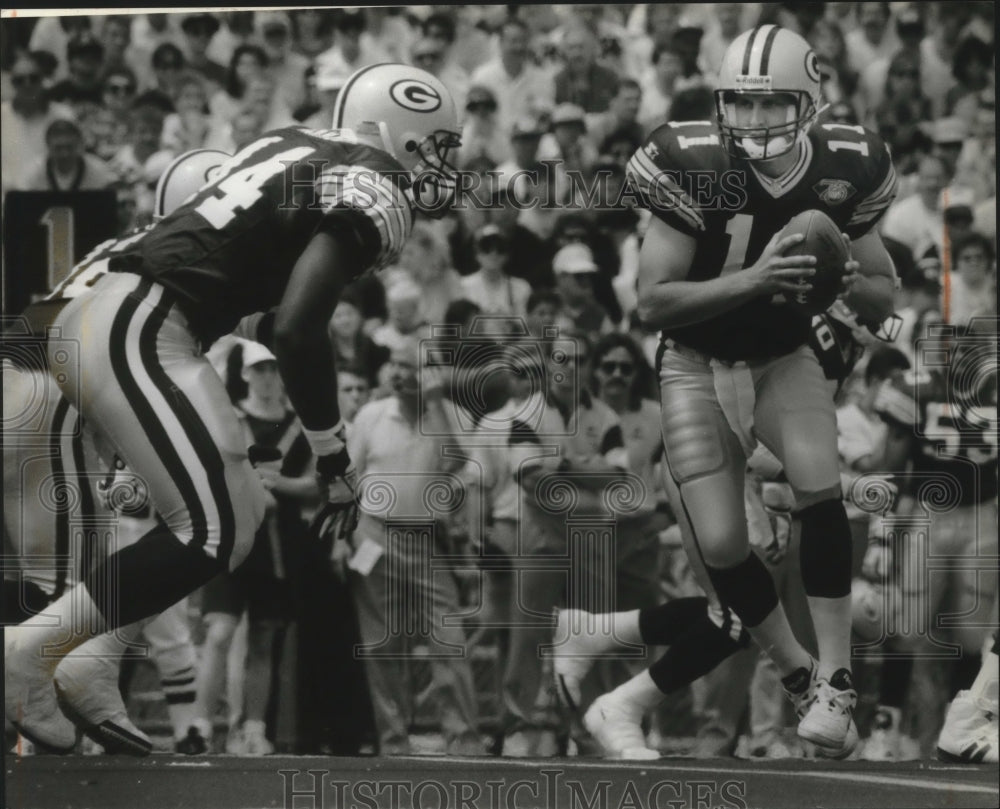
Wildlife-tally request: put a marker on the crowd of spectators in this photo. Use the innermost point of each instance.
(92, 102)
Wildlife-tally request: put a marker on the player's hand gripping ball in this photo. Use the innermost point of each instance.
(823, 240)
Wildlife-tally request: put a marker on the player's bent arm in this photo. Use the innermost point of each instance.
(668, 301)
(301, 342)
(872, 295)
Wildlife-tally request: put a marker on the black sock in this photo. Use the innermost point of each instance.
(826, 550)
(664, 624)
(895, 685)
(746, 588)
(145, 578)
(695, 653)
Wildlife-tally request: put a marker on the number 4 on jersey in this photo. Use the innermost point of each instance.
(243, 188)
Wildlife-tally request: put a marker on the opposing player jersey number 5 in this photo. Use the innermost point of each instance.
(965, 434)
(242, 188)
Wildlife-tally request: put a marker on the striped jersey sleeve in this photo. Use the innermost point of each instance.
(873, 205)
(660, 191)
(385, 205)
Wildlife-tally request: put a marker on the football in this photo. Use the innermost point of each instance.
(822, 240)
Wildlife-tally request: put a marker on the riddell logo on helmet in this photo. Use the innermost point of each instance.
(753, 82)
(415, 95)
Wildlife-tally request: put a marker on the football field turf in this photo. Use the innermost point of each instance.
(312, 782)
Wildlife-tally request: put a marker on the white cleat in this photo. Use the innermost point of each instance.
(87, 688)
(616, 726)
(884, 742)
(573, 654)
(30, 697)
(255, 742)
(829, 721)
(969, 735)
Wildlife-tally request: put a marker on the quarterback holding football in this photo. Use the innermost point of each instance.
(730, 289)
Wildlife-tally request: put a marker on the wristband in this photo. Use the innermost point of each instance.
(326, 442)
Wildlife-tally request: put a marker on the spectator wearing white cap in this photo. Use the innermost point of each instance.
(490, 287)
(274, 29)
(576, 271)
(516, 83)
(567, 142)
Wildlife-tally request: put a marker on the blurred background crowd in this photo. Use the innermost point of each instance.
(93, 102)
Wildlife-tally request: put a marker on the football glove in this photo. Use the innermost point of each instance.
(338, 479)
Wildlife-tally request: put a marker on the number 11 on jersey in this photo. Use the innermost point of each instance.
(738, 230)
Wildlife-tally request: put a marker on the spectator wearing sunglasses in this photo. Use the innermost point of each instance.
(623, 380)
(482, 134)
(495, 292)
(118, 89)
(25, 118)
(168, 70)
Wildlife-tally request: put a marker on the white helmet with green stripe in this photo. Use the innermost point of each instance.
(772, 62)
(183, 177)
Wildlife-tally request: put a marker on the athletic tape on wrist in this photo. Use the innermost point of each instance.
(326, 442)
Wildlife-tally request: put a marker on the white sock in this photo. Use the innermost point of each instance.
(832, 621)
(640, 692)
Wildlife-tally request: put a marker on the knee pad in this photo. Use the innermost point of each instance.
(747, 589)
(826, 549)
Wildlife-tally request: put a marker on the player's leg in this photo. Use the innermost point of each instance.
(170, 646)
(46, 487)
(221, 607)
(795, 418)
(706, 462)
(145, 388)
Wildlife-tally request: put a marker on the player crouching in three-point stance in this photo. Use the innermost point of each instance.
(283, 226)
(734, 363)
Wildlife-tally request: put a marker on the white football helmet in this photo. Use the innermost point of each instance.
(767, 61)
(416, 119)
(183, 177)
